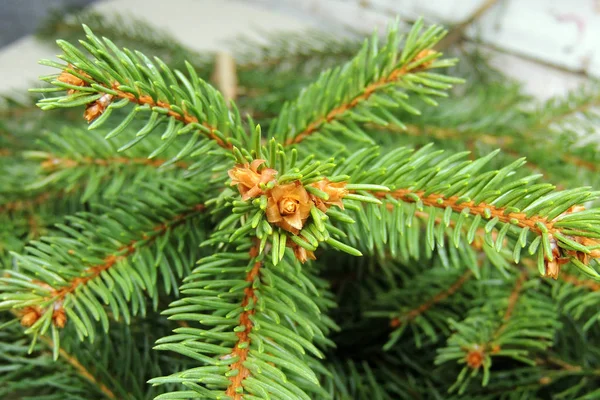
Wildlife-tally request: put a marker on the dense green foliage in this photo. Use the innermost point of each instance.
(387, 228)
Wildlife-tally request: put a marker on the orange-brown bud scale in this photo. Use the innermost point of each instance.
(69, 78)
(561, 256)
(30, 315)
(300, 252)
(249, 180)
(289, 204)
(475, 357)
(59, 318)
(335, 190)
(97, 108)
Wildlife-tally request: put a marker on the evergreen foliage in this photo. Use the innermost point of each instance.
(385, 229)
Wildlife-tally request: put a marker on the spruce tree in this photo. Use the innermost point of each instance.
(402, 225)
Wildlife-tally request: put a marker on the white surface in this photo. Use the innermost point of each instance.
(557, 32)
(198, 24)
(551, 30)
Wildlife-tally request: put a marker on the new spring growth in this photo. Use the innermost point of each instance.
(561, 256)
(94, 109)
(289, 204)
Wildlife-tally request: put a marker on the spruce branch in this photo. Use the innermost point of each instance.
(104, 257)
(520, 207)
(529, 319)
(343, 96)
(81, 370)
(520, 130)
(254, 341)
(106, 83)
(437, 298)
(80, 159)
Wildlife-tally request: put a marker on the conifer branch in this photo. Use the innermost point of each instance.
(183, 116)
(253, 342)
(107, 83)
(81, 370)
(512, 302)
(439, 297)
(588, 284)
(504, 142)
(529, 319)
(53, 162)
(534, 223)
(57, 295)
(337, 112)
(581, 108)
(385, 77)
(253, 316)
(242, 347)
(22, 205)
(82, 270)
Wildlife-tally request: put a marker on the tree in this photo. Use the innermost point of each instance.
(327, 241)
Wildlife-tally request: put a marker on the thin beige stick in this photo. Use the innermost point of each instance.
(225, 76)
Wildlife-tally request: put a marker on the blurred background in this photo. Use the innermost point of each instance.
(549, 45)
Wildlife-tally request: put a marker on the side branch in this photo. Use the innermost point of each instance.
(368, 91)
(58, 295)
(477, 353)
(439, 201)
(81, 370)
(242, 347)
(55, 297)
(439, 297)
(20, 205)
(183, 117)
(504, 142)
(589, 284)
(53, 163)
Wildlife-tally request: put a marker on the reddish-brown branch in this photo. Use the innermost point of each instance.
(475, 355)
(503, 142)
(52, 163)
(185, 117)
(57, 295)
(366, 93)
(81, 370)
(558, 117)
(585, 283)
(512, 303)
(20, 205)
(514, 297)
(439, 201)
(241, 353)
(439, 297)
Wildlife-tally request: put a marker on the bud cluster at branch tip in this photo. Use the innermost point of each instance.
(561, 256)
(92, 110)
(288, 205)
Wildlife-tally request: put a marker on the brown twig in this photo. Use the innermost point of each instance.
(52, 162)
(439, 201)
(589, 284)
(439, 297)
(367, 92)
(20, 205)
(184, 117)
(503, 142)
(57, 295)
(242, 347)
(81, 370)
(456, 33)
